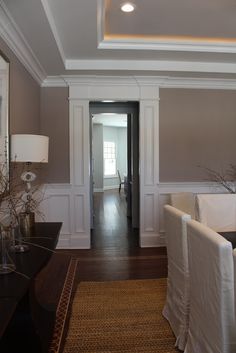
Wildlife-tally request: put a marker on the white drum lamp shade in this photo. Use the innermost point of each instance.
(29, 148)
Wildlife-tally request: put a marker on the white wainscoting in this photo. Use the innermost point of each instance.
(63, 203)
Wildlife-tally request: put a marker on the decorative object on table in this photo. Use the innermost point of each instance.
(6, 263)
(225, 178)
(28, 149)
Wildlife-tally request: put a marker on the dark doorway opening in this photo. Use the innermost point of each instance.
(114, 214)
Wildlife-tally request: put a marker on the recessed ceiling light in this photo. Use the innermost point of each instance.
(127, 7)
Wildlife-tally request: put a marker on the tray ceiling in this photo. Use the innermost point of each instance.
(88, 36)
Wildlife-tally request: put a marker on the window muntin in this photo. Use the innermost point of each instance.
(109, 151)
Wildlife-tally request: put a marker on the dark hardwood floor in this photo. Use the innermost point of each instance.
(115, 253)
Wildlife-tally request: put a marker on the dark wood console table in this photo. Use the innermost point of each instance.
(25, 324)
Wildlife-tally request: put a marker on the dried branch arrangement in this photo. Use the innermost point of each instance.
(13, 196)
(227, 178)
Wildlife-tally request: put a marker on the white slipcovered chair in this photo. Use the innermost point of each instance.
(234, 257)
(212, 317)
(184, 201)
(176, 309)
(217, 211)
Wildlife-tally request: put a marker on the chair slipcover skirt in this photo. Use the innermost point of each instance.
(212, 319)
(176, 309)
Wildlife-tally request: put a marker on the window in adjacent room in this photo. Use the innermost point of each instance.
(109, 158)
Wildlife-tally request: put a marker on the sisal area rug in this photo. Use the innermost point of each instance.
(119, 317)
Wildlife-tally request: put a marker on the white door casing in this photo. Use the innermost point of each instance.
(98, 89)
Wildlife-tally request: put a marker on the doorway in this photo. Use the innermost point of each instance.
(105, 199)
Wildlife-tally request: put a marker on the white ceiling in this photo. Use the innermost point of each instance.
(114, 120)
(64, 37)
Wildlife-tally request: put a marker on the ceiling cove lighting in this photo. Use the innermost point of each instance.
(127, 7)
(107, 101)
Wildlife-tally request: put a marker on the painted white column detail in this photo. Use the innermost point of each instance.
(79, 172)
(149, 173)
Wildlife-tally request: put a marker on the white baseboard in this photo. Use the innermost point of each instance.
(98, 190)
(111, 187)
(151, 241)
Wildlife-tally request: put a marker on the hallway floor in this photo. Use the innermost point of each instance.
(112, 228)
(115, 253)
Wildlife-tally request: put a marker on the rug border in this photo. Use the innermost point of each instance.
(63, 307)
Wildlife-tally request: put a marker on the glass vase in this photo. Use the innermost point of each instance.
(6, 263)
(18, 245)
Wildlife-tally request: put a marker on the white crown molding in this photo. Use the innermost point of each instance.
(100, 21)
(167, 45)
(86, 80)
(201, 83)
(54, 81)
(139, 81)
(151, 65)
(52, 24)
(11, 34)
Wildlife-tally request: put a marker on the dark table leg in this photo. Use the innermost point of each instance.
(20, 335)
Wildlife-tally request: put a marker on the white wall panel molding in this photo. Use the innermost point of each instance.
(77, 146)
(63, 203)
(79, 172)
(79, 212)
(149, 172)
(142, 86)
(150, 217)
(195, 187)
(57, 207)
(13, 37)
(79, 143)
(148, 142)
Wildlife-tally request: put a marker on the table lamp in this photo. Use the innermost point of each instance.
(26, 148)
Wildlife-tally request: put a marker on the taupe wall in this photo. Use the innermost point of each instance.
(40, 111)
(197, 128)
(24, 96)
(55, 124)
